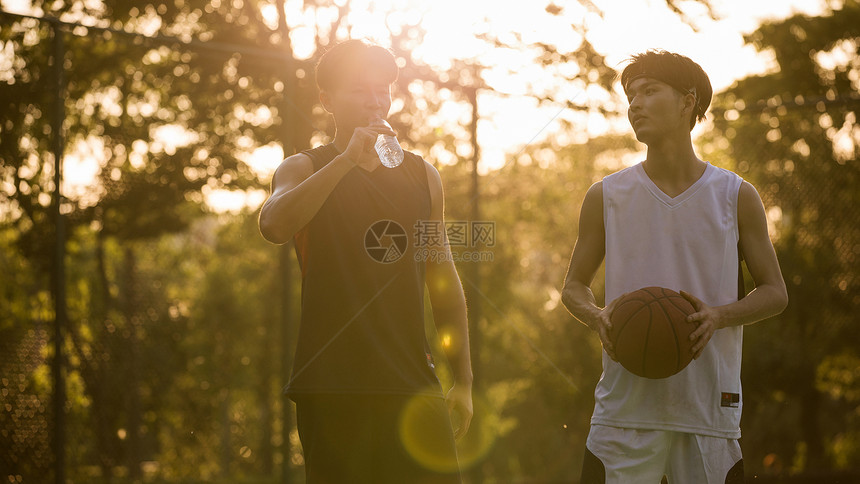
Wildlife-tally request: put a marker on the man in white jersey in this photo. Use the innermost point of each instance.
(678, 222)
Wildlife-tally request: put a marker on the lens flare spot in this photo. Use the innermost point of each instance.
(425, 434)
(483, 431)
(424, 429)
(446, 341)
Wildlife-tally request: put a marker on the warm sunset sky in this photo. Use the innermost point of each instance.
(509, 124)
(625, 28)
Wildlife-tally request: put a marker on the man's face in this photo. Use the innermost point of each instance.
(656, 109)
(358, 99)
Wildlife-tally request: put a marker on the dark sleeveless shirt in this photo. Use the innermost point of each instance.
(362, 324)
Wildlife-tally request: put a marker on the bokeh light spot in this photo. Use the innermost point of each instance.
(422, 429)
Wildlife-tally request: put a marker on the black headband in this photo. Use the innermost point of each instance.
(670, 81)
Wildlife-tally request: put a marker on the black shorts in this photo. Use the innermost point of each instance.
(376, 439)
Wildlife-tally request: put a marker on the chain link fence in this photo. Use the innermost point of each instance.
(133, 343)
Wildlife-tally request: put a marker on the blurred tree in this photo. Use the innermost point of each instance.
(793, 133)
(160, 124)
(24, 327)
(170, 347)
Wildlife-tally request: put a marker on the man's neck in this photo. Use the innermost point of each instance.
(673, 166)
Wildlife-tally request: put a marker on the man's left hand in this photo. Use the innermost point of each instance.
(707, 320)
(459, 400)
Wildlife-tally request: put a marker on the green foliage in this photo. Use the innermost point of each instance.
(174, 347)
(130, 282)
(24, 381)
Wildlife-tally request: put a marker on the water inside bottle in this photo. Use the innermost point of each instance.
(388, 148)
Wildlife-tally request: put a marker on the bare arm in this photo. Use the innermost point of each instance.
(449, 311)
(297, 195)
(769, 297)
(588, 254)
(298, 192)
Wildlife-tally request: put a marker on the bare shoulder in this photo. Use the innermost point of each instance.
(434, 179)
(292, 171)
(751, 212)
(748, 194)
(749, 202)
(434, 185)
(595, 190)
(593, 198)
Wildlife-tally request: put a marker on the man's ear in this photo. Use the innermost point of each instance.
(692, 101)
(325, 100)
(689, 106)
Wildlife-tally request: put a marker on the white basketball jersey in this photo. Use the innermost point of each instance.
(688, 243)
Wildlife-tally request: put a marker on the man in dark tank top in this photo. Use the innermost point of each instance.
(369, 406)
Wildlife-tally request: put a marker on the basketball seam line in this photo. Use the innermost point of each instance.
(620, 328)
(647, 337)
(683, 311)
(674, 335)
(675, 305)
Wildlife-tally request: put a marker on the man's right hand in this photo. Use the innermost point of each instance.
(360, 149)
(603, 325)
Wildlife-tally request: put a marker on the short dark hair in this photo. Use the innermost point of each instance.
(675, 70)
(345, 58)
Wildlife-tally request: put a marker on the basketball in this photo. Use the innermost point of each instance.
(650, 332)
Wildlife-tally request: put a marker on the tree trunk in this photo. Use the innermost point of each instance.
(226, 454)
(472, 289)
(264, 392)
(130, 312)
(98, 380)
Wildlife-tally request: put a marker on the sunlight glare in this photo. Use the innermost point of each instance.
(453, 31)
(269, 12)
(264, 160)
(510, 115)
(81, 169)
(233, 201)
(168, 137)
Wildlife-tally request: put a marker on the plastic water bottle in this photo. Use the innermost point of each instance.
(387, 147)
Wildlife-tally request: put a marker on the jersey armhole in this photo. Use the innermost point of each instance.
(423, 164)
(737, 183)
(319, 156)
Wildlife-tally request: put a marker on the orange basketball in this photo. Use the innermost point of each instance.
(651, 334)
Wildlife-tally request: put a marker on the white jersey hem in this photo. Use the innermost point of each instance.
(687, 429)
